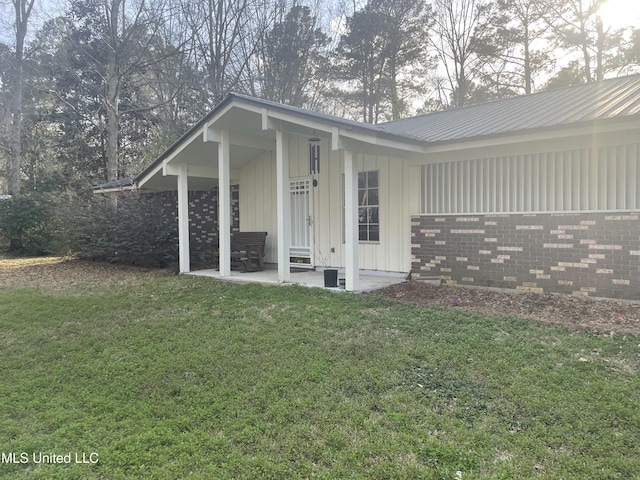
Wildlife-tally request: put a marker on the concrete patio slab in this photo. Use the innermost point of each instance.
(368, 281)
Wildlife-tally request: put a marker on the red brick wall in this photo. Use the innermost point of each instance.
(594, 254)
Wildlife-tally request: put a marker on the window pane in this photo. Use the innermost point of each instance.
(373, 197)
(362, 197)
(374, 233)
(373, 215)
(368, 211)
(373, 179)
(362, 215)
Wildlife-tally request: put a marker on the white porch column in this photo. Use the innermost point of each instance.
(352, 266)
(283, 205)
(183, 219)
(224, 204)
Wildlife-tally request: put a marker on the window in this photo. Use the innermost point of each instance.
(368, 207)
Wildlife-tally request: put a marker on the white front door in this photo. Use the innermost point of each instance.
(301, 250)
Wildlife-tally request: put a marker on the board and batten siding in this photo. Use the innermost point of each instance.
(257, 187)
(393, 251)
(258, 205)
(581, 179)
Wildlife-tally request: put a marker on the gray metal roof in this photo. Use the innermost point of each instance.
(120, 183)
(618, 97)
(373, 130)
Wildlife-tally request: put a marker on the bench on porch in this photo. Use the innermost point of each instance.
(247, 250)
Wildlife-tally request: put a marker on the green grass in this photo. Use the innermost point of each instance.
(189, 377)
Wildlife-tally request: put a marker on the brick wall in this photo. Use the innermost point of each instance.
(203, 217)
(594, 254)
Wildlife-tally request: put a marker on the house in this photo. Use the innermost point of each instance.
(537, 193)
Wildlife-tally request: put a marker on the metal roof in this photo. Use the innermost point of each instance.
(122, 183)
(331, 120)
(618, 97)
(571, 106)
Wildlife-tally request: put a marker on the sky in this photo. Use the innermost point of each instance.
(620, 13)
(615, 13)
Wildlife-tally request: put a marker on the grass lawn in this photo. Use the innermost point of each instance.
(189, 377)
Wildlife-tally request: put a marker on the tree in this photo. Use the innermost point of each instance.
(5, 116)
(291, 61)
(570, 75)
(362, 62)
(407, 24)
(225, 35)
(22, 10)
(175, 83)
(385, 41)
(111, 46)
(459, 30)
(632, 53)
(578, 28)
(520, 43)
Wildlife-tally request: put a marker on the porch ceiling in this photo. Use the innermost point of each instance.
(162, 183)
(248, 141)
(205, 154)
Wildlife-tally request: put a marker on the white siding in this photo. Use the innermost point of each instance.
(393, 251)
(257, 205)
(599, 178)
(258, 201)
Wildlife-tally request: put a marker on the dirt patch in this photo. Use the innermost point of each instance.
(59, 274)
(606, 317)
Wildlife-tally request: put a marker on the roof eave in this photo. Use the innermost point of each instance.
(590, 127)
(200, 124)
(114, 189)
(334, 125)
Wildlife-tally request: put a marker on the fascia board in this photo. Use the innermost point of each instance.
(295, 121)
(221, 112)
(113, 189)
(380, 141)
(298, 123)
(146, 177)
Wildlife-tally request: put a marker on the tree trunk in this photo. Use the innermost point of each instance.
(462, 87)
(112, 94)
(585, 52)
(395, 101)
(22, 12)
(600, 49)
(16, 132)
(112, 122)
(527, 61)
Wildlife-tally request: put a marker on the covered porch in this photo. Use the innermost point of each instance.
(263, 147)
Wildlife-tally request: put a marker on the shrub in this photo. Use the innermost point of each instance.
(134, 230)
(27, 224)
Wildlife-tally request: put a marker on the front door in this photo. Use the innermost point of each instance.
(301, 251)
